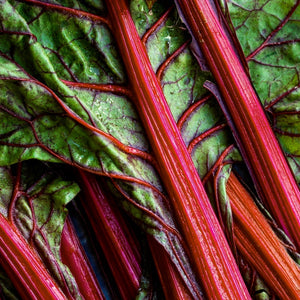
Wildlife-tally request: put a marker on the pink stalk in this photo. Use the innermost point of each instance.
(209, 251)
(256, 140)
(24, 267)
(112, 233)
(74, 257)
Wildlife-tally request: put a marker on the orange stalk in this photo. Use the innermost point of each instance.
(259, 245)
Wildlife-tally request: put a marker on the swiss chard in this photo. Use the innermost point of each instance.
(65, 98)
(32, 213)
(73, 255)
(187, 195)
(254, 136)
(118, 244)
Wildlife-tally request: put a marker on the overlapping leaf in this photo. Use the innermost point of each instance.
(49, 111)
(63, 98)
(269, 35)
(34, 199)
(196, 111)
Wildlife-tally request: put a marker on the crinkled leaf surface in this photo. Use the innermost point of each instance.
(34, 199)
(50, 112)
(49, 119)
(182, 81)
(50, 55)
(269, 35)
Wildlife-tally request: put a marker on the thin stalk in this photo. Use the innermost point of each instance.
(24, 267)
(208, 248)
(74, 257)
(173, 286)
(255, 138)
(112, 233)
(259, 245)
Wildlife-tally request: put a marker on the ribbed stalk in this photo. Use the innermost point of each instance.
(209, 251)
(256, 140)
(113, 235)
(24, 267)
(259, 245)
(74, 257)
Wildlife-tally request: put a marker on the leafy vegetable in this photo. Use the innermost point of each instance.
(66, 96)
(256, 140)
(31, 205)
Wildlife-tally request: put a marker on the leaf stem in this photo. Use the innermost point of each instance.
(260, 246)
(74, 257)
(113, 235)
(156, 25)
(209, 251)
(67, 10)
(255, 138)
(109, 88)
(24, 267)
(173, 286)
(187, 113)
(165, 64)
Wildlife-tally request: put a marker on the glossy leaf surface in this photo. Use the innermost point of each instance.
(64, 98)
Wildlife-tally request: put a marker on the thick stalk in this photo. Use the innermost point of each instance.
(259, 245)
(74, 257)
(256, 140)
(113, 235)
(209, 251)
(24, 267)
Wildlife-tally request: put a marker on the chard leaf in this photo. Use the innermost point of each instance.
(268, 34)
(196, 111)
(34, 199)
(64, 98)
(51, 112)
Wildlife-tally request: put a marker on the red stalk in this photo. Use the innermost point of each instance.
(173, 286)
(112, 233)
(256, 140)
(24, 267)
(209, 251)
(74, 257)
(259, 245)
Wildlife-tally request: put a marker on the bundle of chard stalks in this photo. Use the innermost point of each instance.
(149, 149)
